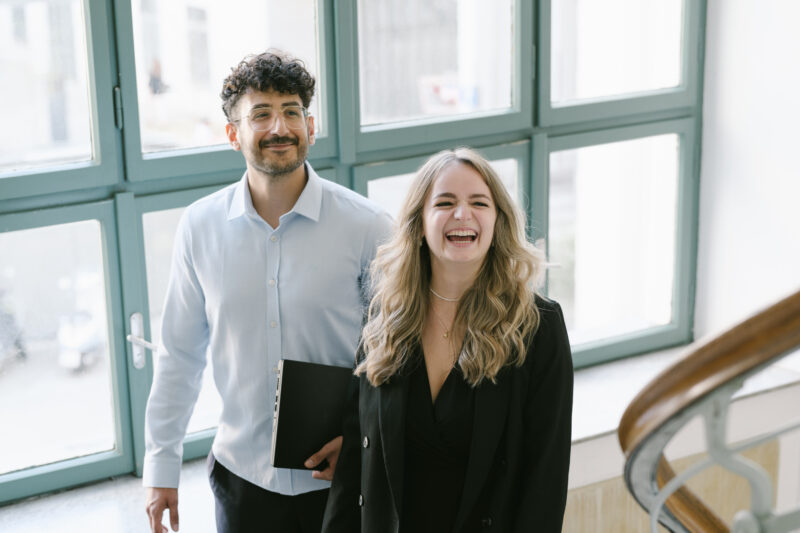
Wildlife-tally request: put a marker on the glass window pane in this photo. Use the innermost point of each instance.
(424, 59)
(159, 233)
(390, 192)
(44, 92)
(612, 235)
(184, 50)
(55, 392)
(614, 47)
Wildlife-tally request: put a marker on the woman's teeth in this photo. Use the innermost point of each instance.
(461, 236)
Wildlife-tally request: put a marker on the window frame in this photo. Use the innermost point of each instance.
(679, 329)
(121, 184)
(685, 95)
(104, 169)
(75, 470)
(132, 209)
(207, 160)
(434, 130)
(519, 151)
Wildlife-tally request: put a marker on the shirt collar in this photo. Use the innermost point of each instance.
(310, 201)
(241, 199)
(308, 204)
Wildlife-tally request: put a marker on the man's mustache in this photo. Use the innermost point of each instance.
(277, 140)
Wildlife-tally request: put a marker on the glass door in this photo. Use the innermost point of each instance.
(64, 396)
(63, 378)
(146, 242)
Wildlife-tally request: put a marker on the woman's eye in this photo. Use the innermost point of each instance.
(443, 204)
(481, 204)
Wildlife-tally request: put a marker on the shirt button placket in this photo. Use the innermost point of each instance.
(273, 282)
(274, 344)
(273, 259)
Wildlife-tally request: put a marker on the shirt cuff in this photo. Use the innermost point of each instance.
(165, 474)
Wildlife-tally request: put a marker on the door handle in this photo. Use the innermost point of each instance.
(138, 343)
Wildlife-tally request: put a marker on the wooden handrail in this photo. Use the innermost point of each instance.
(677, 392)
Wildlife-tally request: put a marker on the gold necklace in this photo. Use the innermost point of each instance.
(444, 298)
(446, 333)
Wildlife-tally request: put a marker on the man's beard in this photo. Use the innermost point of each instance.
(278, 169)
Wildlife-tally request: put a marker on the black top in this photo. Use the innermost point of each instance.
(516, 477)
(438, 436)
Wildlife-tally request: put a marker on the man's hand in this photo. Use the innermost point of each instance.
(330, 452)
(160, 499)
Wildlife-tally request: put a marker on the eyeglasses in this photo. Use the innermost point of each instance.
(263, 118)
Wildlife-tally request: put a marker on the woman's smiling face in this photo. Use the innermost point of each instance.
(458, 217)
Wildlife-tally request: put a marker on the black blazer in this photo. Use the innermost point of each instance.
(516, 479)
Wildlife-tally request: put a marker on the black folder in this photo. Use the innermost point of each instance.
(309, 405)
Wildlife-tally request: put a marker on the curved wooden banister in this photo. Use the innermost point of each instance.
(680, 392)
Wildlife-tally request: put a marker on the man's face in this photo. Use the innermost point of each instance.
(281, 148)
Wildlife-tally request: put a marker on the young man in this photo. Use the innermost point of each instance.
(272, 266)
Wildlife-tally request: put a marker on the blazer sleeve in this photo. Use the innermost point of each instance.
(342, 513)
(548, 432)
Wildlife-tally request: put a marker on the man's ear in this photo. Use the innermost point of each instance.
(232, 133)
(311, 134)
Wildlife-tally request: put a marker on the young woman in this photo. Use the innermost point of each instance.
(461, 415)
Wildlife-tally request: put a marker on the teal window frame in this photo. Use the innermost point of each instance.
(679, 329)
(519, 151)
(441, 129)
(134, 277)
(214, 160)
(121, 184)
(68, 472)
(104, 167)
(685, 95)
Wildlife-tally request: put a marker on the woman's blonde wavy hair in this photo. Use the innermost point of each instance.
(497, 312)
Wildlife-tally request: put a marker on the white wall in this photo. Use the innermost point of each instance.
(749, 240)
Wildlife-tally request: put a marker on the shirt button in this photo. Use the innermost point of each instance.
(272, 283)
(365, 442)
(360, 500)
(273, 324)
(273, 238)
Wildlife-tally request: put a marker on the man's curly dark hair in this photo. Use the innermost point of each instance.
(272, 70)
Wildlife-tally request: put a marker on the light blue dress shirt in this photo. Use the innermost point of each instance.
(248, 296)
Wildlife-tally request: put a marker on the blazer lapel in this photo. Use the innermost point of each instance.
(491, 410)
(392, 421)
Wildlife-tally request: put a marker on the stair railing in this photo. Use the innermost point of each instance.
(703, 384)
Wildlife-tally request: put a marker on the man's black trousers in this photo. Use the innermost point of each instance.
(242, 507)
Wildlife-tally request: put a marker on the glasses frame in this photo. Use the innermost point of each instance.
(272, 122)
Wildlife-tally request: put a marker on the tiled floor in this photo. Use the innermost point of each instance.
(114, 506)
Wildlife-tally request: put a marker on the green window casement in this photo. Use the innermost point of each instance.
(590, 112)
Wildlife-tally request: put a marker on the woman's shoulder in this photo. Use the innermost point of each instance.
(550, 336)
(545, 304)
(550, 313)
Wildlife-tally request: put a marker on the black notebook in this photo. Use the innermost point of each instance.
(309, 405)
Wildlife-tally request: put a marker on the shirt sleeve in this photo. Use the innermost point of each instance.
(179, 368)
